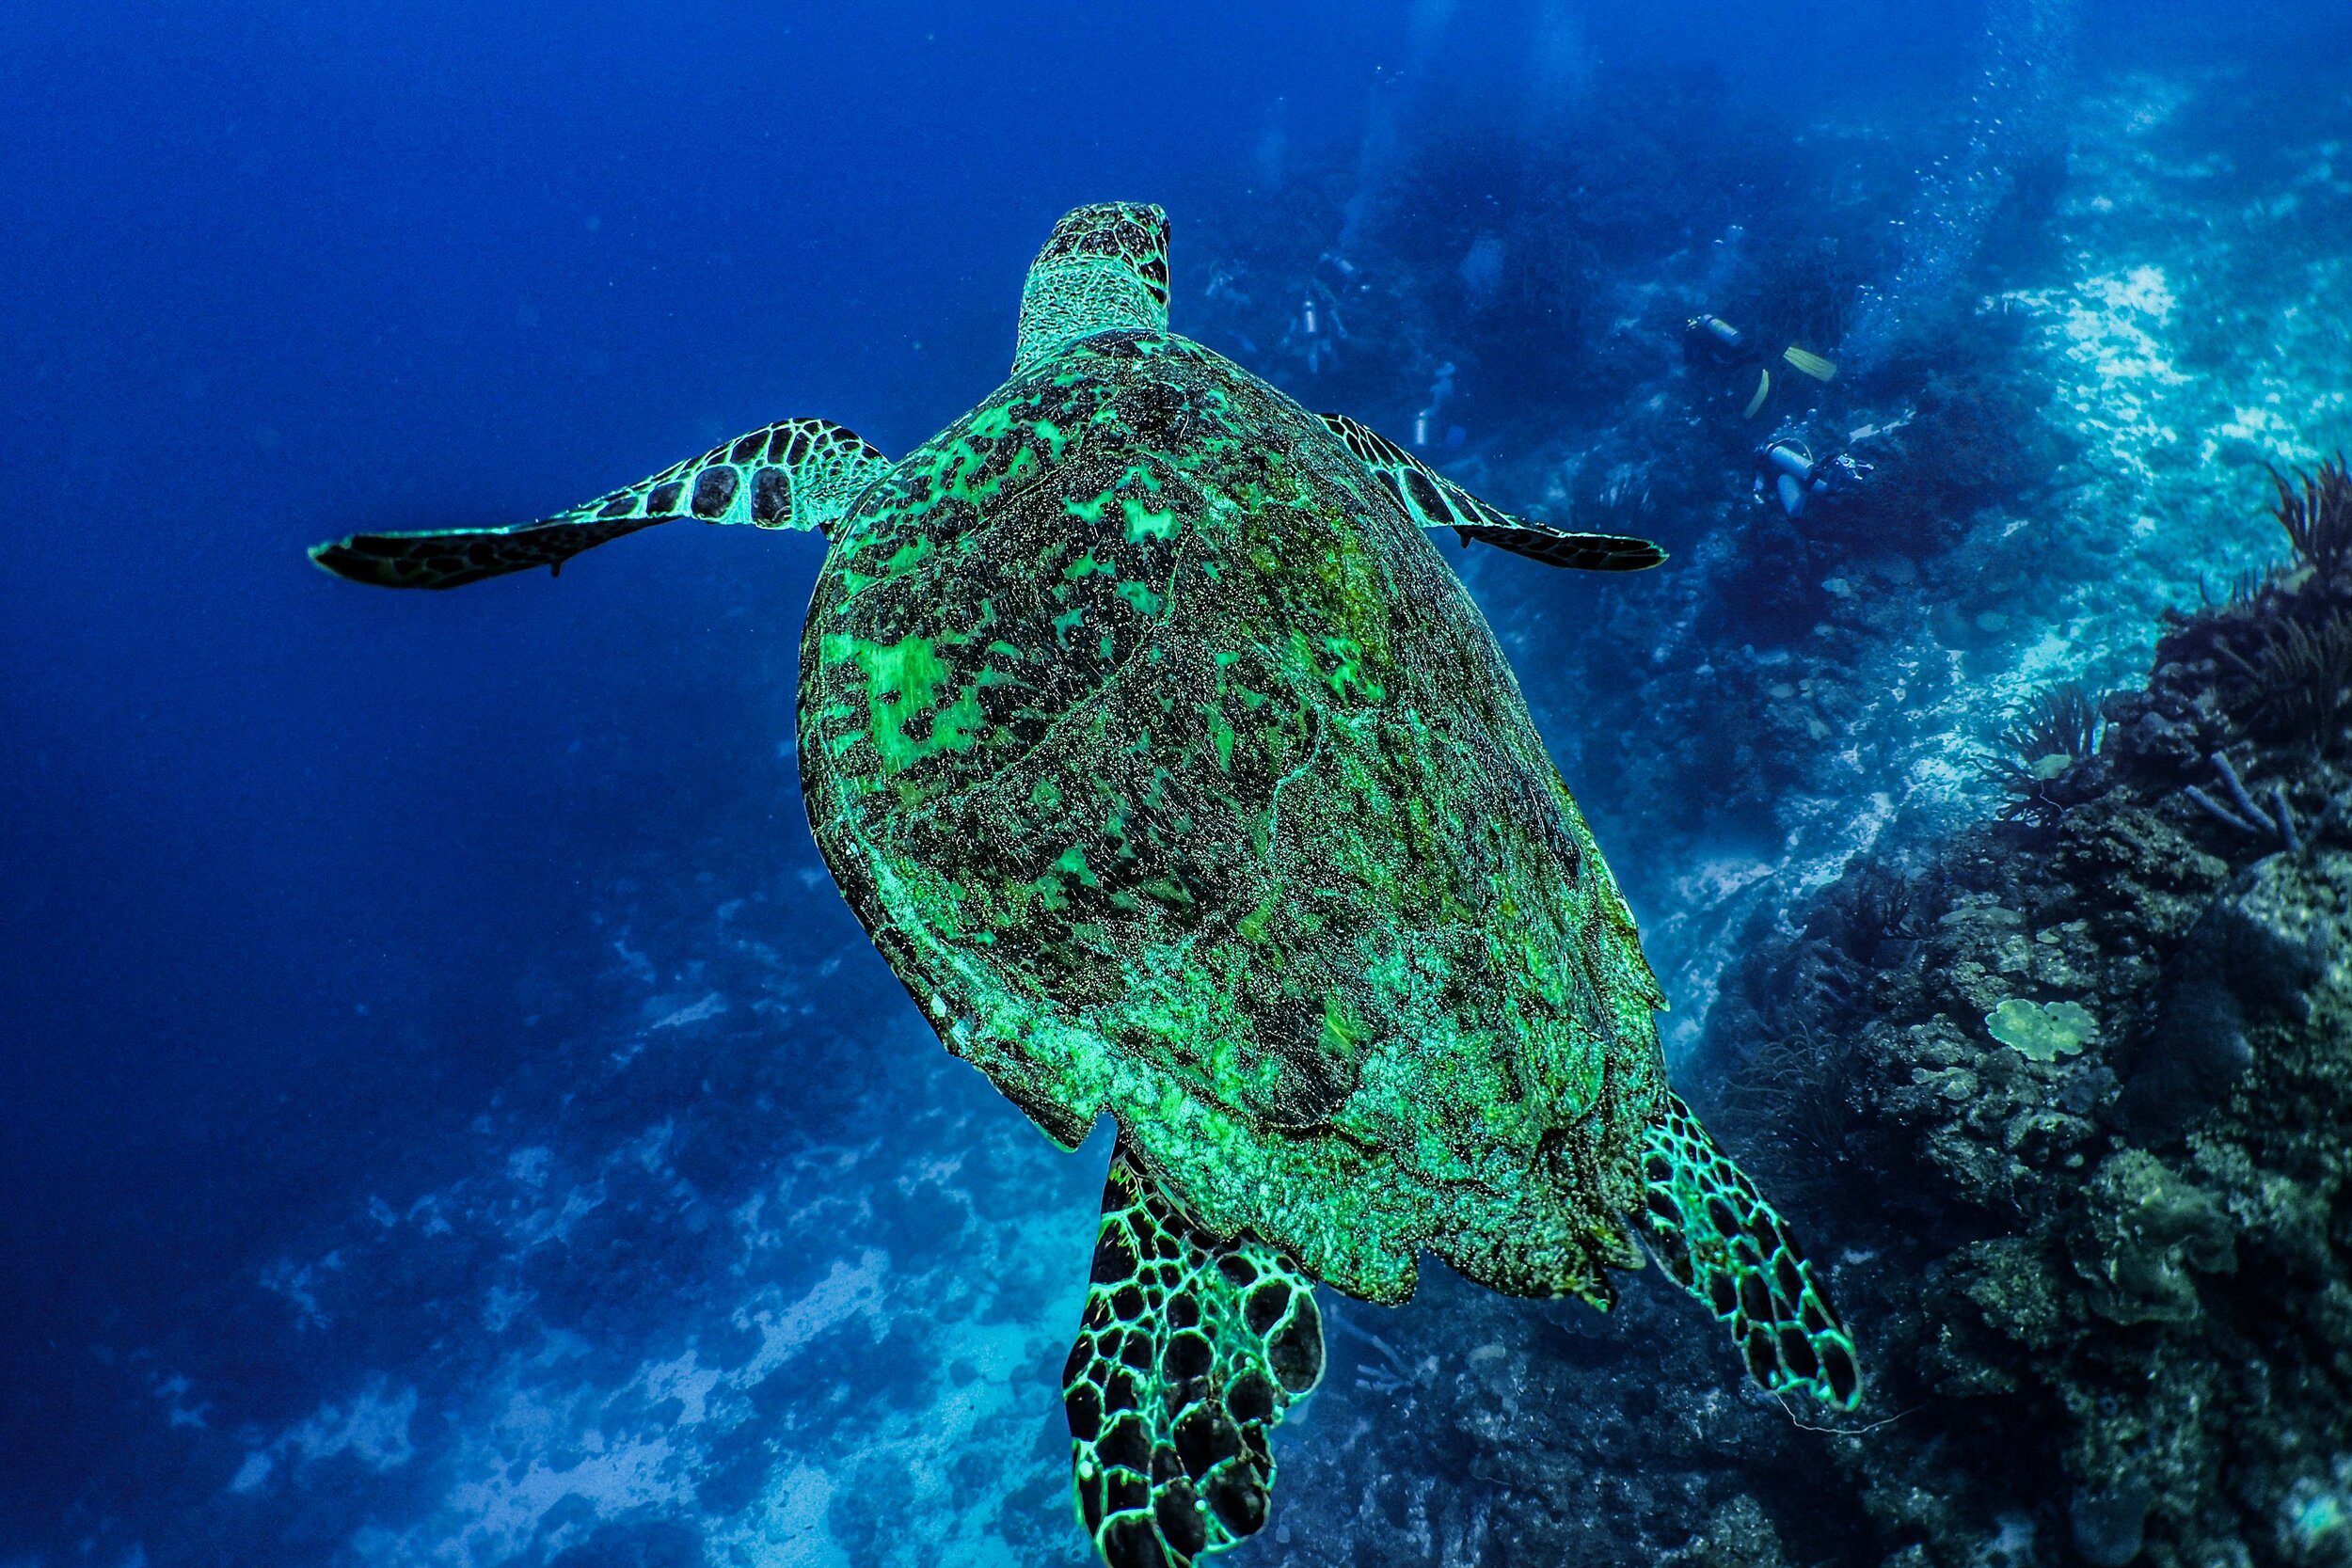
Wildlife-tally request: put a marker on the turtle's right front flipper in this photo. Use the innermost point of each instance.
(1190, 1352)
(801, 473)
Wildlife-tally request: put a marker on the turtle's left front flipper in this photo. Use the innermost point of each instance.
(1434, 501)
(1707, 1227)
(801, 473)
(1190, 1352)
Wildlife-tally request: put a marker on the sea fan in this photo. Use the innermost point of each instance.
(2315, 509)
(2304, 681)
(2059, 731)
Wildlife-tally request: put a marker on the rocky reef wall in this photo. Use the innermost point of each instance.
(2096, 1062)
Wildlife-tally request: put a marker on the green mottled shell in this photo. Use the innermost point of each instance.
(1177, 777)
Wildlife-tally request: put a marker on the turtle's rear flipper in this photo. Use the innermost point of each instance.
(1191, 1350)
(802, 473)
(1433, 500)
(1707, 1227)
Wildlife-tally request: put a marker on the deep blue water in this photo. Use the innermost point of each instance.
(328, 911)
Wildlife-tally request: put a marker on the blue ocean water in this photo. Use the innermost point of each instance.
(449, 1115)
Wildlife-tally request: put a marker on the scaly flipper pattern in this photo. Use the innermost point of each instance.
(801, 473)
(1434, 501)
(1190, 1352)
(1707, 1226)
(1104, 266)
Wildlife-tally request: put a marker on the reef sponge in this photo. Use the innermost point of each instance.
(2060, 730)
(2143, 1236)
(2041, 1031)
(2315, 510)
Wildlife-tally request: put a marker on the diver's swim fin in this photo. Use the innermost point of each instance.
(1763, 391)
(1433, 500)
(1806, 363)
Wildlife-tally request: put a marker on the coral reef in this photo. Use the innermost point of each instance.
(2115, 1294)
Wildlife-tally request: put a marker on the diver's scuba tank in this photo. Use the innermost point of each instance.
(1715, 339)
(1789, 458)
(1789, 466)
(1707, 338)
(1797, 476)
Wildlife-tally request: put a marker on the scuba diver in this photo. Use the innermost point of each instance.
(1786, 469)
(1710, 340)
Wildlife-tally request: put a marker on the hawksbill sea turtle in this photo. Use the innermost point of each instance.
(1178, 777)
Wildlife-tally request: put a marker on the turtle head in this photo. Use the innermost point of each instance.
(1104, 266)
